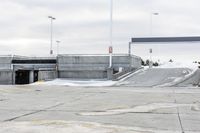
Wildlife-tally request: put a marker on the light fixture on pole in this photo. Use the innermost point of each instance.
(51, 36)
(58, 42)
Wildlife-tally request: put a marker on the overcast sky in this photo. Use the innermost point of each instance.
(82, 26)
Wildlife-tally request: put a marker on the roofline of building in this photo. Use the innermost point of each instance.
(166, 39)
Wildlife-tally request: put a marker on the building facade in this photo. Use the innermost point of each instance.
(25, 70)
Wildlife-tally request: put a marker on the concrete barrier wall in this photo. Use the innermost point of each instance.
(81, 63)
(47, 75)
(136, 62)
(5, 77)
(82, 59)
(102, 62)
(93, 66)
(83, 74)
(5, 62)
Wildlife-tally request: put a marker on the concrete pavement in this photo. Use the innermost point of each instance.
(119, 109)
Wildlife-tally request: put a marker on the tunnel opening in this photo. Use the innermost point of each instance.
(35, 76)
(22, 77)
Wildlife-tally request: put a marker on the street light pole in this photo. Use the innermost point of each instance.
(151, 27)
(111, 33)
(51, 37)
(58, 42)
(151, 21)
(111, 21)
(150, 61)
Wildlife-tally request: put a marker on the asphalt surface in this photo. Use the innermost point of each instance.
(107, 109)
(155, 77)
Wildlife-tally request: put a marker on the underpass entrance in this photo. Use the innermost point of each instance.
(36, 76)
(22, 77)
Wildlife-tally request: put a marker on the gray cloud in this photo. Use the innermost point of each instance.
(83, 25)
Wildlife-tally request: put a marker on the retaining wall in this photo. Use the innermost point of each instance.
(5, 77)
(47, 75)
(93, 66)
(5, 62)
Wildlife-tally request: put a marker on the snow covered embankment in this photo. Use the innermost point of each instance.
(190, 75)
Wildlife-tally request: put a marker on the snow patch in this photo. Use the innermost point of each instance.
(68, 82)
(138, 109)
(196, 107)
(192, 66)
(178, 80)
(188, 73)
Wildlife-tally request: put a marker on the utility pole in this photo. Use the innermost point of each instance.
(151, 21)
(51, 32)
(111, 34)
(150, 60)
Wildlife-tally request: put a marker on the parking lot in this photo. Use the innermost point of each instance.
(116, 109)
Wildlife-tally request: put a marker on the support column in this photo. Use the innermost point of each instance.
(110, 73)
(31, 76)
(129, 48)
(13, 77)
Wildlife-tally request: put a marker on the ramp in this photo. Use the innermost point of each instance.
(156, 77)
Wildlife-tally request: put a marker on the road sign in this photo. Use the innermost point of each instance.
(110, 50)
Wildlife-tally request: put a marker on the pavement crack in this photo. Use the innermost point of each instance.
(34, 112)
(178, 113)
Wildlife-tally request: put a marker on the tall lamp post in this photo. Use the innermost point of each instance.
(51, 36)
(111, 33)
(58, 42)
(151, 21)
(150, 60)
(151, 26)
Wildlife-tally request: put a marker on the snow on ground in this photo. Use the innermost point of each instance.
(192, 66)
(72, 127)
(140, 109)
(186, 64)
(75, 82)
